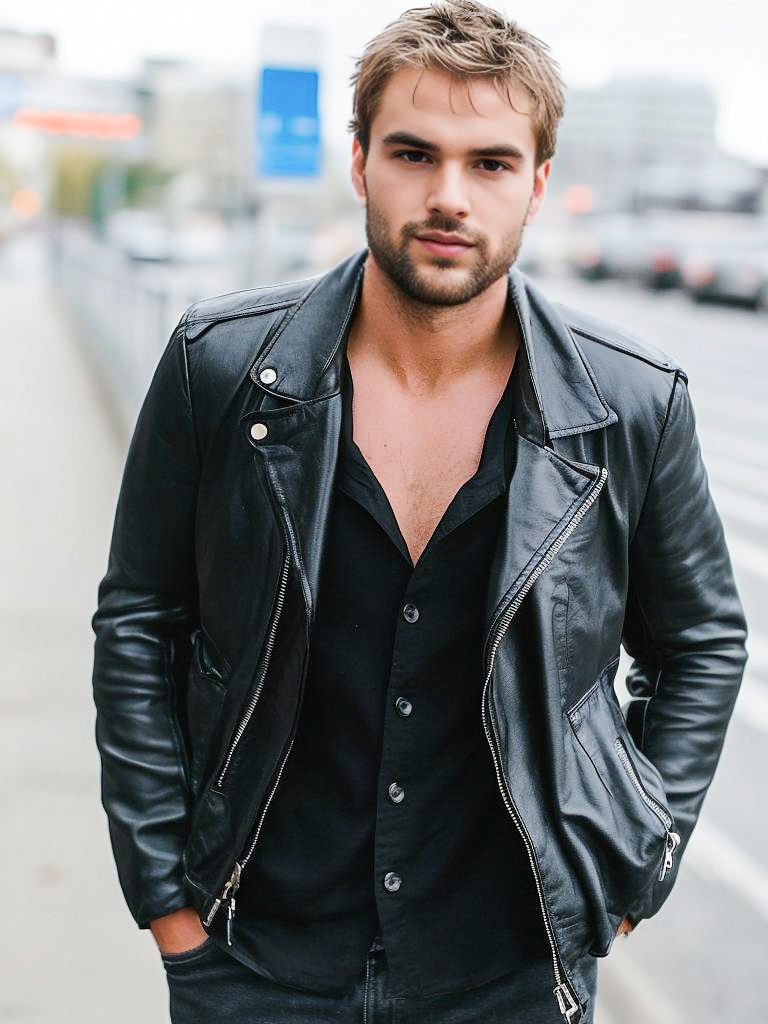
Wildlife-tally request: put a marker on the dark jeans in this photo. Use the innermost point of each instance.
(208, 986)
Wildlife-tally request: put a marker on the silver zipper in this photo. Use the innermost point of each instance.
(267, 655)
(563, 991)
(672, 840)
(227, 895)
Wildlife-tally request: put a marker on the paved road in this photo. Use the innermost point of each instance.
(71, 952)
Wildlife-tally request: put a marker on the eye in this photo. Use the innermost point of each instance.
(407, 153)
(497, 168)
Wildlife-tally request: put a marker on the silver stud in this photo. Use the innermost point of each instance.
(259, 431)
(268, 376)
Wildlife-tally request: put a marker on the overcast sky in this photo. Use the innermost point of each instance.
(724, 45)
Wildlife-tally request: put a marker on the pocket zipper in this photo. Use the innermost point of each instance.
(270, 642)
(564, 990)
(227, 894)
(672, 838)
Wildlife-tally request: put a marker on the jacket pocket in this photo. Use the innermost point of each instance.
(657, 808)
(616, 815)
(206, 689)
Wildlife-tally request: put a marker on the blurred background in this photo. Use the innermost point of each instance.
(155, 155)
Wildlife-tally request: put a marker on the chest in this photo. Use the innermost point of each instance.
(422, 452)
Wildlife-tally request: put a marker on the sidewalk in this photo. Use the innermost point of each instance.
(70, 952)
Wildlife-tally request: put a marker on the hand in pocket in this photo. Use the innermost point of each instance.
(179, 932)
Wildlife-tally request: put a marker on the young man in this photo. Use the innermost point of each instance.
(380, 537)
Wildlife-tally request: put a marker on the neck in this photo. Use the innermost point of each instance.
(425, 347)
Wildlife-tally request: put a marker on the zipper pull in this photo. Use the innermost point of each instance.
(234, 885)
(566, 1002)
(230, 919)
(226, 895)
(673, 841)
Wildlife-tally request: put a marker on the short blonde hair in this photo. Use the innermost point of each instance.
(468, 40)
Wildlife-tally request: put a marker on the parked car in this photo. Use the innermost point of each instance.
(734, 271)
(605, 246)
(650, 248)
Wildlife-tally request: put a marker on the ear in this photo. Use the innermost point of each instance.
(357, 170)
(540, 178)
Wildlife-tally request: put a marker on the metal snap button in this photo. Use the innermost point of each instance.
(258, 431)
(403, 706)
(392, 881)
(268, 375)
(396, 793)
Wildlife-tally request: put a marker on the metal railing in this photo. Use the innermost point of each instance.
(126, 311)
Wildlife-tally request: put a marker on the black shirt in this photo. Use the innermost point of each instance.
(388, 819)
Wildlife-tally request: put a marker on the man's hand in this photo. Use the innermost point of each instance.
(179, 931)
(625, 927)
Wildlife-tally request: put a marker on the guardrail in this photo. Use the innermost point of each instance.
(125, 310)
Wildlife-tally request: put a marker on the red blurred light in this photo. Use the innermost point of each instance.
(579, 199)
(663, 263)
(82, 124)
(25, 202)
(699, 275)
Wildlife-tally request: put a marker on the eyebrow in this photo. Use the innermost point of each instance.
(406, 139)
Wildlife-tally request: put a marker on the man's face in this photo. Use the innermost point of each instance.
(447, 158)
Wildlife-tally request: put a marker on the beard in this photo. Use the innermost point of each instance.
(446, 282)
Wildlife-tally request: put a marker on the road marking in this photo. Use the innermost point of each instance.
(751, 705)
(628, 993)
(743, 405)
(740, 507)
(743, 476)
(749, 557)
(757, 646)
(752, 702)
(716, 857)
(737, 448)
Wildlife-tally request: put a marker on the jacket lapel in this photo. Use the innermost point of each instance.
(555, 394)
(300, 452)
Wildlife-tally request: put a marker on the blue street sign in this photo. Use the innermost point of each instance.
(288, 127)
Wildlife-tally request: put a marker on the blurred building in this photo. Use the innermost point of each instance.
(612, 135)
(719, 181)
(197, 126)
(26, 51)
(47, 118)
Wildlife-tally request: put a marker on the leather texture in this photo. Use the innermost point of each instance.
(610, 537)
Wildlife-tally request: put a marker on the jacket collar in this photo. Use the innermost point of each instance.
(556, 393)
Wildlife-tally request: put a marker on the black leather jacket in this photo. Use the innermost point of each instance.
(205, 613)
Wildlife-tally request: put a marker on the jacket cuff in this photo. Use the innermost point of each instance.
(159, 909)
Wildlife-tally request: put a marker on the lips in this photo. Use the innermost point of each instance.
(445, 239)
(445, 245)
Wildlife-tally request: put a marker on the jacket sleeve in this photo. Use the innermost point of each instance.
(147, 609)
(684, 628)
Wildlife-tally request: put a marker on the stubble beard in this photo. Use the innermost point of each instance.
(440, 287)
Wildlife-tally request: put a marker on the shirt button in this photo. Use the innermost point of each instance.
(392, 881)
(396, 793)
(404, 707)
(410, 612)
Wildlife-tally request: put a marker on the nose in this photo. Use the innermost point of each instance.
(447, 194)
